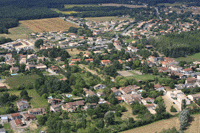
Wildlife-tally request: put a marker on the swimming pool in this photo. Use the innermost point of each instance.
(68, 95)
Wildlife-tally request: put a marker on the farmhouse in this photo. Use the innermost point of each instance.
(72, 106)
(16, 116)
(22, 104)
(36, 111)
(28, 117)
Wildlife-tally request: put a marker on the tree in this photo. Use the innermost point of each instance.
(161, 108)
(92, 99)
(65, 115)
(42, 120)
(184, 118)
(112, 99)
(100, 123)
(171, 85)
(173, 130)
(24, 94)
(109, 117)
(172, 109)
(38, 43)
(183, 105)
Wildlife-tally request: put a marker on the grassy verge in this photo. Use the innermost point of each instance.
(18, 80)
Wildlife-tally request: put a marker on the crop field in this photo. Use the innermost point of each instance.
(20, 31)
(63, 12)
(49, 24)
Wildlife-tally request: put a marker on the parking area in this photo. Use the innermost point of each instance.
(169, 102)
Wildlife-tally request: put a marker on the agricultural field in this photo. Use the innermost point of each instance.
(142, 77)
(174, 4)
(114, 18)
(19, 32)
(49, 24)
(126, 5)
(18, 80)
(195, 57)
(63, 12)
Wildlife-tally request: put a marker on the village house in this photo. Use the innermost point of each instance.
(87, 55)
(55, 108)
(37, 111)
(159, 87)
(22, 61)
(54, 68)
(119, 99)
(89, 60)
(149, 100)
(2, 130)
(129, 89)
(58, 58)
(29, 67)
(152, 59)
(99, 86)
(175, 68)
(29, 117)
(18, 122)
(194, 97)
(116, 91)
(16, 116)
(120, 61)
(88, 92)
(100, 94)
(129, 98)
(22, 104)
(132, 49)
(130, 59)
(31, 56)
(190, 81)
(40, 59)
(148, 46)
(75, 60)
(22, 56)
(10, 61)
(14, 69)
(179, 86)
(41, 66)
(2, 86)
(162, 69)
(187, 71)
(72, 106)
(90, 106)
(174, 94)
(4, 119)
(8, 56)
(105, 62)
(54, 101)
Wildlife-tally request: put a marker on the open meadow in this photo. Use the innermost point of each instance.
(63, 12)
(19, 32)
(194, 57)
(49, 24)
(18, 80)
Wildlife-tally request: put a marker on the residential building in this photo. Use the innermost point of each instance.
(190, 81)
(16, 116)
(152, 59)
(194, 97)
(105, 62)
(4, 119)
(2, 130)
(159, 87)
(22, 61)
(14, 69)
(18, 122)
(99, 86)
(54, 68)
(54, 101)
(72, 106)
(100, 94)
(41, 66)
(89, 60)
(37, 111)
(129, 98)
(22, 104)
(75, 60)
(116, 91)
(88, 92)
(28, 117)
(55, 108)
(129, 89)
(187, 71)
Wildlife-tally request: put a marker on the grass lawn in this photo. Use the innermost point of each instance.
(18, 80)
(142, 77)
(8, 128)
(36, 100)
(194, 57)
(70, 6)
(18, 32)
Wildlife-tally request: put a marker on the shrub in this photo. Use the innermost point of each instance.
(173, 109)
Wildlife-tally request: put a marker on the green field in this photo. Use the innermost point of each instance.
(18, 32)
(114, 18)
(18, 80)
(70, 6)
(63, 12)
(195, 57)
(174, 4)
(142, 77)
(36, 100)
